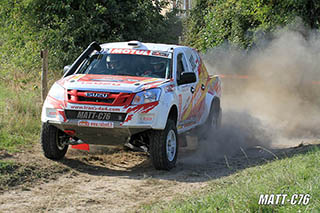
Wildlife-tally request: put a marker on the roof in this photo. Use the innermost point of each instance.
(142, 46)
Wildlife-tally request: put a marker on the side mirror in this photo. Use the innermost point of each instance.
(66, 68)
(187, 78)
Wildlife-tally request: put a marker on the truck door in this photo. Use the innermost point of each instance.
(185, 92)
(199, 96)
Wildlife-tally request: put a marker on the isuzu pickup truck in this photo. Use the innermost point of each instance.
(142, 94)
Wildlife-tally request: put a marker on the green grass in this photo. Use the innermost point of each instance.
(240, 192)
(20, 110)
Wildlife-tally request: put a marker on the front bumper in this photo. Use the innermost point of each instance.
(138, 119)
(111, 135)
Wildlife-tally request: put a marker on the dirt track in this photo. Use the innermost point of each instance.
(120, 181)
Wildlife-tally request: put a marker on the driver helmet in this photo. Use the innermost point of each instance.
(113, 62)
(158, 64)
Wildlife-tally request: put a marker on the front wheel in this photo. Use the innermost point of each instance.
(53, 142)
(164, 146)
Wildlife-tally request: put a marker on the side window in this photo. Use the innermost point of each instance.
(181, 65)
(194, 60)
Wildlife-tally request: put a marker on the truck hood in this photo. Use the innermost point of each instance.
(112, 83)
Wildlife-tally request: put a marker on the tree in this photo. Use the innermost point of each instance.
(67, 27)
(241, 21)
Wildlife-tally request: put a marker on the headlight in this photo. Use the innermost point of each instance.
(146, 96)
(57, 92)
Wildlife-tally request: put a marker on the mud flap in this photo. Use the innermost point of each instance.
(82, 146)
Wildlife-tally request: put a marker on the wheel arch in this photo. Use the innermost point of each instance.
(216, 103)
(173, 113)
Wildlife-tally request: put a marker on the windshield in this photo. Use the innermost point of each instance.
(127, 64)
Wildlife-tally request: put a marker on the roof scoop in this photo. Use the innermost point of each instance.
(134, 44)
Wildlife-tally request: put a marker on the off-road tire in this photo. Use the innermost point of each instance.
(158, 146)
(212, 123)
(50, 136)
(215, 116)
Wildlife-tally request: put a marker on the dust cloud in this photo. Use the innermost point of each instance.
(270, 94)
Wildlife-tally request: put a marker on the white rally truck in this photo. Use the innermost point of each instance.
(142, 94)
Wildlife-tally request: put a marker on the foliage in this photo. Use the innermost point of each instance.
(242, 22)
(194, 23)
(66, 28)
(19, 48)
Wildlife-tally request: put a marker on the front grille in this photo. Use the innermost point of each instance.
(102, 98)
(94, 115)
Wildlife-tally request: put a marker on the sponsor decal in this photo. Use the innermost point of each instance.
(100, 124)
(96, 95)
(83, 123)
(146, 118)
(139, 52)
(95, 108)
(160, 53)
(106, 80)
(100, 83)
(281, 199)
(130, 51)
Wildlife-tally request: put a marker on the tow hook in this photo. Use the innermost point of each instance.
(73, 141)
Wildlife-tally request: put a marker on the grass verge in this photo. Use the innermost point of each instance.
(241, 191)
(19, 115)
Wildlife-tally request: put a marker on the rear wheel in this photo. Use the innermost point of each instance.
(215, 116)
(164, 146)
(213, 121)
(53, 142)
